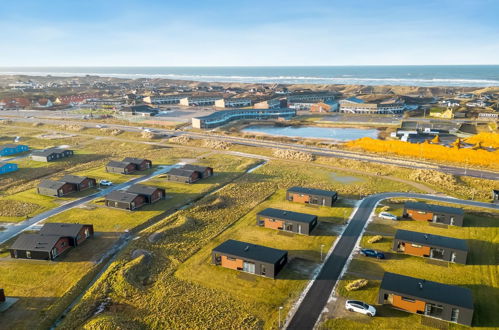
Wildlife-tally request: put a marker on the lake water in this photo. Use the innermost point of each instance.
(338, 134)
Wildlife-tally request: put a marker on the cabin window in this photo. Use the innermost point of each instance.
(231, 259)
(421, 212)
(28, 254)
(454, 316)
(416, 245)
(408, 299)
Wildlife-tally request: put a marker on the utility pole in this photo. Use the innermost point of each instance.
(280, 309)
(322, 246)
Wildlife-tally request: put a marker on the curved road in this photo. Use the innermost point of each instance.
(315, 300)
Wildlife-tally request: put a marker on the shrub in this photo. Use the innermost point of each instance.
(217, 145)
(375, 239)
(293, 155)
(180, 139)
(356, 285)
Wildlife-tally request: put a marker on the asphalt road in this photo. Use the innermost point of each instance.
(316, 298)
(455, 170)
(15, 229)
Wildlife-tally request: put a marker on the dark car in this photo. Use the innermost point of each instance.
(372, 253)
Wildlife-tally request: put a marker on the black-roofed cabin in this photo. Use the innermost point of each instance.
(295, 222)
(433, 213)
(311, 196)
(139, 163)
(151, 194)
(51, 154)
(40, 247)
(249, 258)
(124, 200)
(430, 246)
(75, 232)
(55, 188)
(432, 299)
(120, 167)
(204, 171)
(183, 176)
(80, 183)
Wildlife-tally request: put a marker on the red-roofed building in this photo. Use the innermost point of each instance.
(15, 103)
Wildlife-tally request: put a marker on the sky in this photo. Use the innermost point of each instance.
(248, 33)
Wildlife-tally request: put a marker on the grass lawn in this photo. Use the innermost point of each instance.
(480, 274)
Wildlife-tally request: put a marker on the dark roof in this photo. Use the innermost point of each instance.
(313, 191)
(142, 189)
(117, 164)
(73, 179)
(181, 172)
(432, 208)
(51, 184)
(121, 196)
(61, 229)
(198, 168)
(434, 291)
(250, 251)
(47, 152)
(35, 242)
(431, 240)
(288, 215)
(135, 160)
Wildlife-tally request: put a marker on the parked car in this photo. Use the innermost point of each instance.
(388, 216)
(100, 126)
(372, 253)
(105, 183)
(360, 307)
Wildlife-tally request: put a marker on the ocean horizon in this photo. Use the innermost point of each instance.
(400, 75)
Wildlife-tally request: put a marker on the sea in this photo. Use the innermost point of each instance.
(424, 76)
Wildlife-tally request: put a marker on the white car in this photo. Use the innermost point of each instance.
(147, 130)
(100, 126)
(105, 183)
(388, 216)
(360, 307)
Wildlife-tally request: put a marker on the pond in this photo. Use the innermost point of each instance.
(338, 134)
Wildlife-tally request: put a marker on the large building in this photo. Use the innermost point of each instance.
(223, 117)
(233, 103)
(433, 299)
(249, 258)
(198, 101)
(275, 103)
(314, 97)
(434, 213)
(12, 149)
(356, 105)
(430, 246)
(164, 99)
(51, 154)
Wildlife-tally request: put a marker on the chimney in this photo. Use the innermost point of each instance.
(246, 248)
(426, 236)
(420, 285)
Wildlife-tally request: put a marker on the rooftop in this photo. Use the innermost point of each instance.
(313, 191)
(51, 184)
(47, 152)
(117, 164)
(433, 208)
(250, 251)
(61, 229)
(431, 240)
(288, 215)
(121, 196)
(35, 242)
(73, 179)
(427, 290)
(141, 189)
(181, 172)
(191, 167)
(134, 160)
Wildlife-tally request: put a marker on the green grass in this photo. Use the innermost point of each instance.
(480, 274)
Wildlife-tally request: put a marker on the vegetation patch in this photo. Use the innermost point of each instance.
(15, 208)
(356, 285)
(293, 155)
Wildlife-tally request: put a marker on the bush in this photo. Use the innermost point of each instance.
(356, 285)
(180, 139)
(375, 239)
(293, 155)
(217, 145)
(14, 208)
